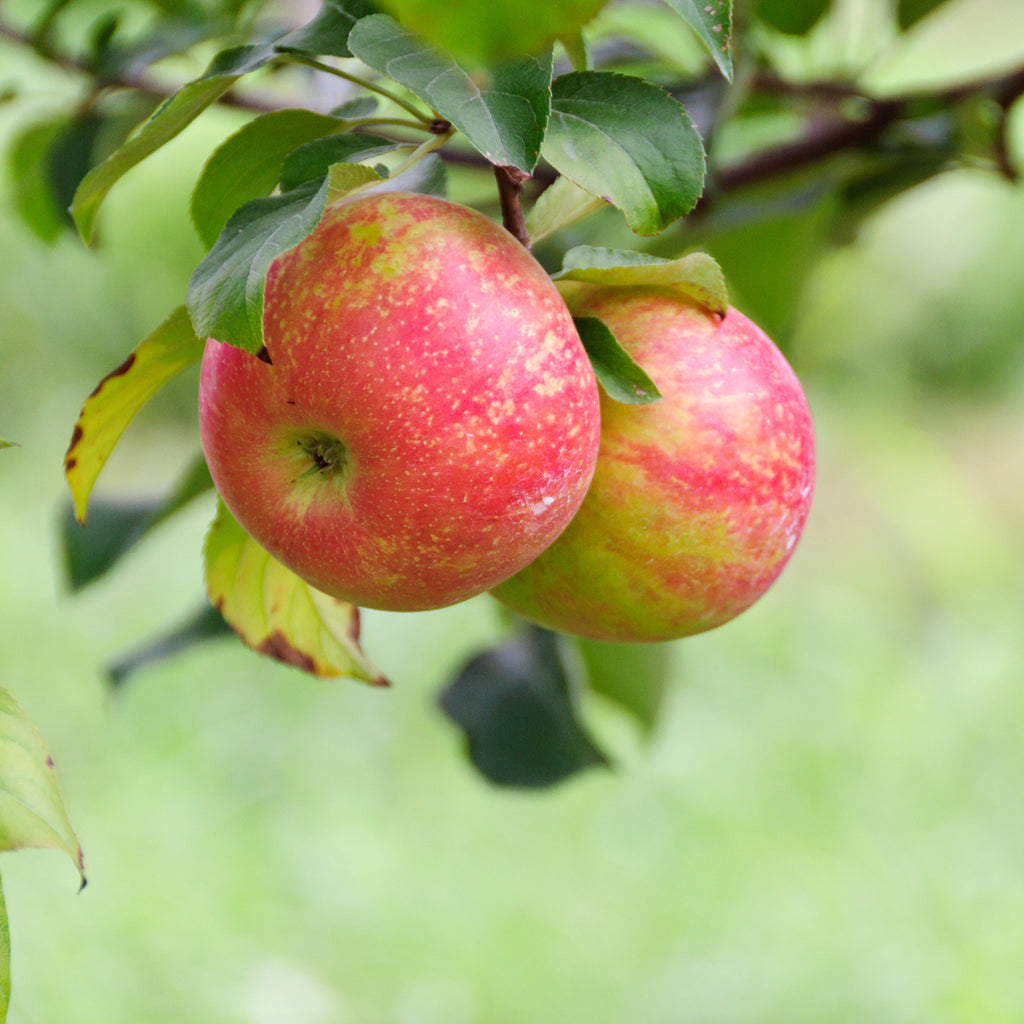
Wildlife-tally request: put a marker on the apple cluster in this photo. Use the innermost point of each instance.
(424, 425)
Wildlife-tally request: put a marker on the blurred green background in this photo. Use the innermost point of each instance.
(825, 827)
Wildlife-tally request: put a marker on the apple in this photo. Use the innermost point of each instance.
(424, 420)
(698, 499)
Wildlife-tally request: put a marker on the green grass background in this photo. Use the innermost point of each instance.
(827, 825)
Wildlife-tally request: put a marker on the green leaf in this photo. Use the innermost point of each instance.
(260, 148)
(32, 811)
(504, 119)
(712, 21)
(8, 444)
(515, 706)
(312, 161)
(616, 370)
(628, 142)
(484, 33)
(206, 624)
(225, 293)
(276, 613)
(119, 396)
(559, 205)
(958, 43)
(170, 118)
(697, 276)
(114, 527)
(327, 34)
(31, 193)
(634, 676)
(792, 16)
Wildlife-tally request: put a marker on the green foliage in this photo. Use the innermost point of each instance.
(712, 21)
(617, 372)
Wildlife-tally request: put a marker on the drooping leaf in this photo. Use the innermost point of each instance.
(119, 396)
(483, 33)
(504, 118)
(225, 293)
(697, 276)
(170, 118)
(616, 370)
(515, 706)
(114, 527)
(712, 21)
(327, 33)
(559, 205)
(260, 148)
(312, 161)
(205, 624)
(628, 142)
(276, 613)
(634, 676)
(32, 812)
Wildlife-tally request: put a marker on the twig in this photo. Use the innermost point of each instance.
(510, 192)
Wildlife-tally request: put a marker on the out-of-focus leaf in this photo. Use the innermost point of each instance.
(484, 33)
(514, 703)
(794, 17)
(225, 293)
(114, 527)
(170, 118)
(960, 42)
(910, 11)
(628, 142)
(327, 34)
(559, 205)
(697, 276)
(5, 959)
(248, 165)
(7, 444)
(504, 118)
(313, 160)
(635, 676)
(712, 21)
(31, 193)
(276, 613)
(206, 624)
(617, 372)
(119, 396)
(32, 811)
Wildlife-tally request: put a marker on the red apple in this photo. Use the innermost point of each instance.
(426, 421)
(698, 499)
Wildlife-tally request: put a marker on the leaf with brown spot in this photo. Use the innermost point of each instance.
(278, 614)
(120, 395)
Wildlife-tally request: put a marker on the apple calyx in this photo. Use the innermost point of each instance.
(328, 455)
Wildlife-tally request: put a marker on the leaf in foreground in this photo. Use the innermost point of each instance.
(626, 141)
(276, 613)
(119, 396)
(514, 704)
(712, 21)
(697, 276)
(32, 811)
(621, 376)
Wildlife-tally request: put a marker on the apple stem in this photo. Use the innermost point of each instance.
(510, 191)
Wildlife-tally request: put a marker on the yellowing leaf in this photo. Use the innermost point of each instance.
(119, 396)
(698, 275)
(278, 614)
(563, 203)
(31, 809)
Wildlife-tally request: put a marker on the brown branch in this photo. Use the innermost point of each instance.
(510, 192)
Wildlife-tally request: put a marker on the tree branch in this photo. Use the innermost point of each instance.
(510, 191)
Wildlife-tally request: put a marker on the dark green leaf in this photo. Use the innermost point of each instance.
(617, 372)
(484, 33)
(914, 10)
(170, 118)
(225, 294)
(114, 527)
(31, 191)
(792, 16)
(514, 704)
(260, 148)
(628, 142)
(712, 21)
(206, 624)
(635, 676)
(504, 119)
(311, 161)
(327, 34)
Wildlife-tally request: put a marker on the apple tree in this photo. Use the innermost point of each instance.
(710, 150)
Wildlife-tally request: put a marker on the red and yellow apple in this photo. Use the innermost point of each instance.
(698, 499)
(424, 421)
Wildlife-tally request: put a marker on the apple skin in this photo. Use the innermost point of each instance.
(428, 422)
(698, 499)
